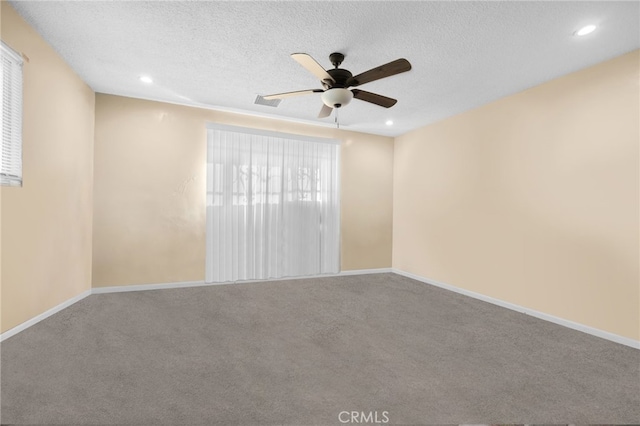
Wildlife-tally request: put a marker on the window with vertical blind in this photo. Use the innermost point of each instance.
(273, 205)
(11, 161)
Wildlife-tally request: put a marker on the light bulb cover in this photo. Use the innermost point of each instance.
(336, 97)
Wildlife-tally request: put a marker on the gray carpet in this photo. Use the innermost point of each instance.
(300, 352)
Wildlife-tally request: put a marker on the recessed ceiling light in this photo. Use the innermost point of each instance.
(146, 79)
(389, 122)
(588, 29)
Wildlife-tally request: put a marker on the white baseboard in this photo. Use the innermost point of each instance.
(541, 315)
(366, 271)
(17, 329)
(164, 286)
(144, 287)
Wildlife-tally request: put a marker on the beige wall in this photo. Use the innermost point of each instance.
(149, 191)
(46, 224)
(532, 199)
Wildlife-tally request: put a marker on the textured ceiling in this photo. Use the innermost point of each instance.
(222, 54)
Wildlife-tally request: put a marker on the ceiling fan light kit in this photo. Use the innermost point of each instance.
(337, 81)
(336, 97)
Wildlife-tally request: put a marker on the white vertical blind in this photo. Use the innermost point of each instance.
(272, 205)
(11, 160)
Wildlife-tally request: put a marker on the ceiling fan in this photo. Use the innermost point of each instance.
(336, 82)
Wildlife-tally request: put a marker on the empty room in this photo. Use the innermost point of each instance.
(320, 213)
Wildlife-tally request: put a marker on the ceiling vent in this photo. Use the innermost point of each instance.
(262, 101)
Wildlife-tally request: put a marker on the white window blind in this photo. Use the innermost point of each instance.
(11, 161)
(273, 205)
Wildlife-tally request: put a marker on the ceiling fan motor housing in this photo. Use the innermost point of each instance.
(337, 95)
(341, 77)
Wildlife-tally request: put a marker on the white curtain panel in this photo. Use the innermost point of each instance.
(273, 205)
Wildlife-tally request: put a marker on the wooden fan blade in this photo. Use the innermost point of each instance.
(374, 98)
(387, 70)
(325, 111)
(290, 94)
(312, 66)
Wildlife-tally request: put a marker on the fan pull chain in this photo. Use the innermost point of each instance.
(336, 119)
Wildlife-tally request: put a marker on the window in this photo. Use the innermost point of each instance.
(11, 161)
(272, 205)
